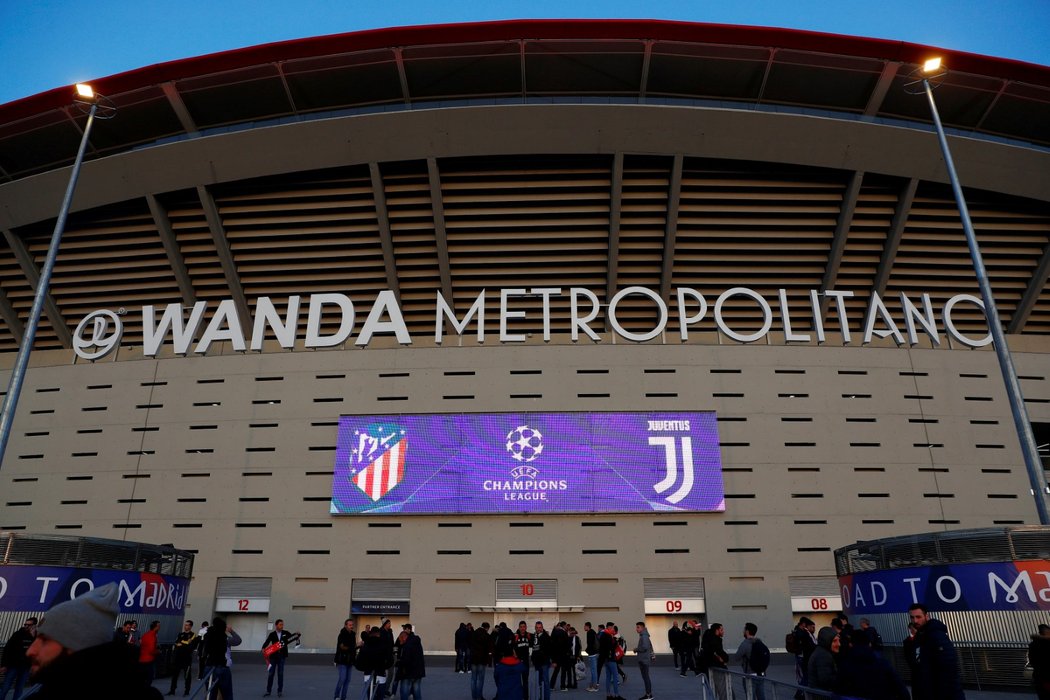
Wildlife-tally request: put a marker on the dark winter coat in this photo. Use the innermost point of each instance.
(462, 637)
(937, 672)
(480, 647)
(410, 665)
(559, 644)
(1039, 658)
(345, 648)
(592, 642)
(15, 650)
(606, 646)
(375, 657)
(185, 644)
(712, 651)
(215, 644)
(865, 674)
(822, 672)
(104, 671)
(541, 649)
(674, 638)
(523, 647)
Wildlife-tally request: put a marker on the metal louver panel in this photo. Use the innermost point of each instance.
(514, 590)
(669, 588)
(381, 589)
(817, 586)
(243, 587)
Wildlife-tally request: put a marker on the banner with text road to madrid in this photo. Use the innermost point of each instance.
(33, 588)
(528, 463)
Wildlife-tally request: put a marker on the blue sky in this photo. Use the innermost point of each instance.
(49, 43)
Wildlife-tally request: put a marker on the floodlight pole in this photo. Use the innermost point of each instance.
(14, 386)
(1006, 364)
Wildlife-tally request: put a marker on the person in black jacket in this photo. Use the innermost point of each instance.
(607, 661)
(14, 662)
(217, 642)
(462, 641)
(277, 659)
(480, 653)
(865, 674)
(73, 654)
(541, 660)
(411, 669)
(345, 654)
(591, 649)
(373, 660)
(560, 650)
(182, 662)
(523, 650)
(713, 655)
(1039, 659)
(674, 638)
(937, 671)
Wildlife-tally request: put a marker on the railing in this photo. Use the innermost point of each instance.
(204, 684)
(734, 685)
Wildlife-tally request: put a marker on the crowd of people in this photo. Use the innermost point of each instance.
(525, 662)
(75, 646)
(849, 661)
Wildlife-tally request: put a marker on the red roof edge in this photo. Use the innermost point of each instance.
(564, 29)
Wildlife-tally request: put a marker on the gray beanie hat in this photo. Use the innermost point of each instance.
(83, 622)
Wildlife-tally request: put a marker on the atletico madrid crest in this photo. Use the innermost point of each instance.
(377, 461)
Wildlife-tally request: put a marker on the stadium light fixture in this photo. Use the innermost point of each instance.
(96, 106)
(930, 70)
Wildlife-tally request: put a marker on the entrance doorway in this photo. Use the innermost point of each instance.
(251, 627)
(659, 624)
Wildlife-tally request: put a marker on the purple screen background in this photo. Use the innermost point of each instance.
(591, 463)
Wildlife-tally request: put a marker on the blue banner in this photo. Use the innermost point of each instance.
(33, 588)
(1010, 585)
(528, 463)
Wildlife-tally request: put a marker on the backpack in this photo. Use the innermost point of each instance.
(791, 643)
(617, 653)
(759, 659)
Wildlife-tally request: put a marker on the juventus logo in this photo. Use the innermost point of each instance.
(671, 457)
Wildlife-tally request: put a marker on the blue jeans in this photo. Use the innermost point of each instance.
(477, 682)
(342, 686)
(276, 664)
(14, 677)
(543, 675)
(411, 686)
(612, 678)
(592, 660)
(221, 681)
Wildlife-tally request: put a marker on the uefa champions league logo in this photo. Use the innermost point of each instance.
(524, 444)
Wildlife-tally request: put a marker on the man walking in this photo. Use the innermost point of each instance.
(753, 656)
(411, 668)
(182, 665)
(277, 658)
(646, 655)
(14, 662)
(345, 655)
(937, 668)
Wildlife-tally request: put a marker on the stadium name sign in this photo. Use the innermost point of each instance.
(99, 332)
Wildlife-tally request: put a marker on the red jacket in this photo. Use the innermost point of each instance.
(148, 650)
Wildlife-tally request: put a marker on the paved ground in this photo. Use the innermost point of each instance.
(308, 676)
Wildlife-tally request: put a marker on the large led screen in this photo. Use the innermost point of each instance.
(528, 463)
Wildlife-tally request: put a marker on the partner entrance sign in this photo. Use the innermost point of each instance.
(528, 463)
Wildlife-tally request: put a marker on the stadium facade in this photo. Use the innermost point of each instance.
(520, 219)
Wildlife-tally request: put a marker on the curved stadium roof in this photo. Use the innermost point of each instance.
(652, 153)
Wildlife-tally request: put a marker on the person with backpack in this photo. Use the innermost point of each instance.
(801, 642)
(753, 655)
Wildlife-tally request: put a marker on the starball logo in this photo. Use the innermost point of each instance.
(524, 444)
